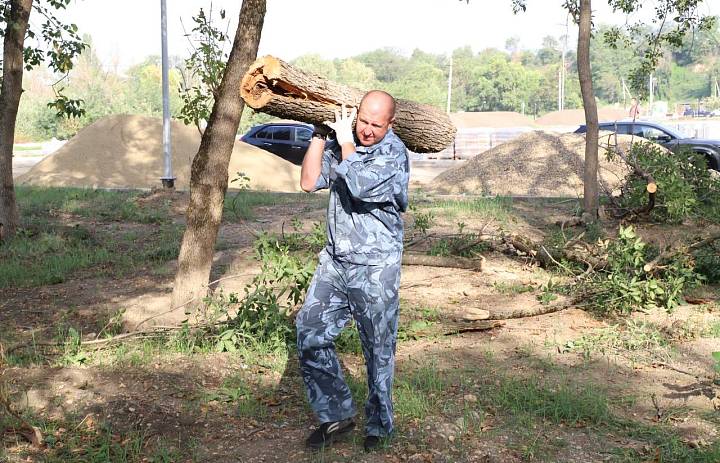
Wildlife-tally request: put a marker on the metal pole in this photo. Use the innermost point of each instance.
(168, 180)
(449, 91)
(652, 95)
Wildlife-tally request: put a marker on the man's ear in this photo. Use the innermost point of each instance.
(390, 124)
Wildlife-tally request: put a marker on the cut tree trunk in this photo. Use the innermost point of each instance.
(209, 171)
(10, 92)
(591, 199)
(277, 88)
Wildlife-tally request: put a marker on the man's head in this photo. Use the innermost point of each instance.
(375, 117)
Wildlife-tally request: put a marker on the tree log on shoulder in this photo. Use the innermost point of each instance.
(275, 87)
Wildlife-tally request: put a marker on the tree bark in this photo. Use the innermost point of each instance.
(590, 183)
(10, 93)
(209, 171)
(277, 88)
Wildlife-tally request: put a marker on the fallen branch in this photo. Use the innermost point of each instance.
(461, 312)
(459, 327)
(534, 311)
(439, 261)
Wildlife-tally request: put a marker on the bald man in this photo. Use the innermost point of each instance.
(358, 276)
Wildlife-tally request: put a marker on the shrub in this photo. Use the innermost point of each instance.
(627, 283)
(686, 188)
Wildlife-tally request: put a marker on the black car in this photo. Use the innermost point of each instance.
(288, 140)
(666, 137)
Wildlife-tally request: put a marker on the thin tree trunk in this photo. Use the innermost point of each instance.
(10, 93)
(209, 172)
(591, 191)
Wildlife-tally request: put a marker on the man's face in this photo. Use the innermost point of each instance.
(373, 121)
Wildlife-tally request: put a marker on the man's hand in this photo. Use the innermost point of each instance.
(343, 125)
(322, 130)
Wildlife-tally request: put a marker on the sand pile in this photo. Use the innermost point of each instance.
(577, 116)
(533, 164)
(495, 119)
(125, 151)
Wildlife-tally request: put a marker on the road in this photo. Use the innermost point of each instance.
(22, 164)
(422, 172)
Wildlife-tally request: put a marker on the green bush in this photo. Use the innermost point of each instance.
(625, 284)
(686, 189)
(262, 315)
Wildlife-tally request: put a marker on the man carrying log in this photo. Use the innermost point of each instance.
(359, 271)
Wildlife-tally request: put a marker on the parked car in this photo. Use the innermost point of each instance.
(715, 113)
(666, 137)
(287, 140)
(689, 112)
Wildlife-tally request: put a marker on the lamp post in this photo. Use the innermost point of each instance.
(168, 180)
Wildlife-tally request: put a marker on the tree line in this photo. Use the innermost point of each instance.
(511, 79)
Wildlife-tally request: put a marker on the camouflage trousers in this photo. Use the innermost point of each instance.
(369, 294)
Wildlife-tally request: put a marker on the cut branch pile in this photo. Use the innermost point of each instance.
(275, 87)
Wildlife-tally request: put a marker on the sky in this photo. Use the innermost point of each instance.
(124, 32)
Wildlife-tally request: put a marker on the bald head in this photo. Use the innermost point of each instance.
(381, 100)
(375, 117)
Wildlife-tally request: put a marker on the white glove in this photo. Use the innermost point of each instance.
(343, 125)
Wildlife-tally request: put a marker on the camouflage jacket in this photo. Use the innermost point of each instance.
(368, 191)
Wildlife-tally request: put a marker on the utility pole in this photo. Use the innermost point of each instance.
(563, 74)
(168, 180)
(449, 91)
(652, 94)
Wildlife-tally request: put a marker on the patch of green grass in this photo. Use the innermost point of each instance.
(52, 256)
(239, 205)
(47, 259)
(416, 393)
(512, 289)
(349, 341)
(105, 205)
(498, 208)
(78, 441)
(630, 336)
(663, 445)
(27, 148)
(713, 330)
(237, 391)
(558, 402)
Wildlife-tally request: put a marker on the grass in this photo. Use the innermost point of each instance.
(629, 337)
(27, 147)
(121, 206)
(54, 244)
(239, 205)
(512, 289)
(53, 256)
(241, 394)
(498, 208)
(82, 441)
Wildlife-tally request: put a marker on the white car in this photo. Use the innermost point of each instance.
(715, 113)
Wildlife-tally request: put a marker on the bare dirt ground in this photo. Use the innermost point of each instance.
(470, 397)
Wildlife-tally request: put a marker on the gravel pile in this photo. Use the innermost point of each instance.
(126, 151)
(533, 164)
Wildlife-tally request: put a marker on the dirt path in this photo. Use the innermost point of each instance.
(557, 387)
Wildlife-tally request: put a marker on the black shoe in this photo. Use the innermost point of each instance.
(326, 433)
(371, 443)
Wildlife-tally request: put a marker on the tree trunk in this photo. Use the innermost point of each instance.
(275, 87)
(10, 92)
(591, 192)
(209, 172)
